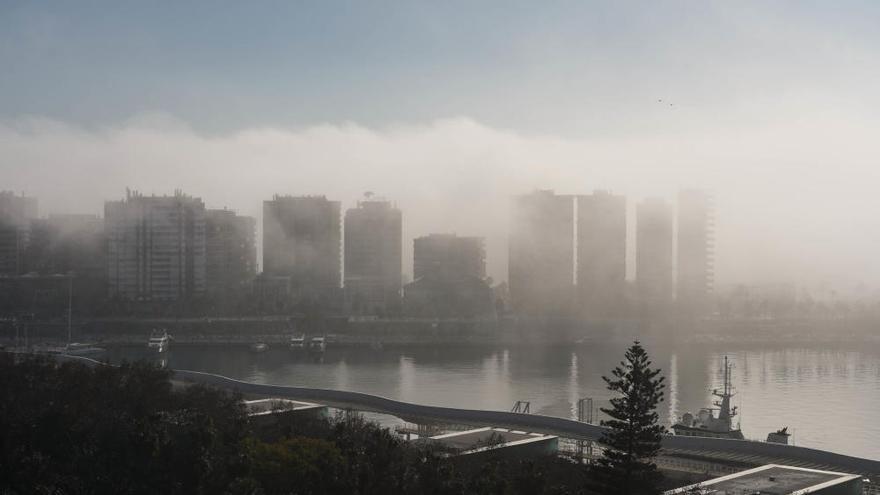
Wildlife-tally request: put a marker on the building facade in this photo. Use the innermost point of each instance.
(155, 247)
(449, 256)
(373, 257)
(601, 254)
(541, 263)
(64, 243)
(450, 278)
(230, 254)
(694, 285)
(16, 214)
(654, 254)
(302, 237)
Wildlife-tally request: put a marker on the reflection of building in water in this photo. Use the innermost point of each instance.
(601, 253)
(541, 243)
(695, 251)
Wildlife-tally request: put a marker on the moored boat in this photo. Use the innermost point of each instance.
(159, 340)
(317, 344)
(298, 343)
(707, 423)
(259, 347)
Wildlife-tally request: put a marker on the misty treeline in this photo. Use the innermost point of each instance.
(70, 428)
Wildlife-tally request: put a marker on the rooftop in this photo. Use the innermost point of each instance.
(771, 479)
(269, 406)
(485, 438)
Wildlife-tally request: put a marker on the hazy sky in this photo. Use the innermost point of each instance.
(450, 107)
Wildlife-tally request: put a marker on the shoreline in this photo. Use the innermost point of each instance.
(350, 332)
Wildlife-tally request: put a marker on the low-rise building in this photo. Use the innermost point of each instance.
(496, 442)
(271, 418)
(774, 479)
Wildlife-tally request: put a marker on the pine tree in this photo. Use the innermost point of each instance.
(633, 440)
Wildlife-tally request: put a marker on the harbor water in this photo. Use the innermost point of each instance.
(828, 396)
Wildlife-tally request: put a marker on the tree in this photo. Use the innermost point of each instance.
(297, 465)
(633, 440)
(69, 428)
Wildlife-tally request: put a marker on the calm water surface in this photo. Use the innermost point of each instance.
(828, 397)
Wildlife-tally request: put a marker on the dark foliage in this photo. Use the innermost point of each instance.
(75, 429)
(72, 429)
(627, 466)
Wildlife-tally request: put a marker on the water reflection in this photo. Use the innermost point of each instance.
(828, 397)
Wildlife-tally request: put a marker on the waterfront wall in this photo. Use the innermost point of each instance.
(407, 331)
(278, 330)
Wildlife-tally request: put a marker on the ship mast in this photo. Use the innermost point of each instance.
(725, 413)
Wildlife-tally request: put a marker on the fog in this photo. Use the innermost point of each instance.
(795, 195)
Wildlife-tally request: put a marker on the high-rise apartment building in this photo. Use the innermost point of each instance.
(68, 242)
(695, 250)
(302, 240)
(155, 247)
(541, 264)
(16, 213)
(601, 253)
(230, 253)
(654, 254)
(373, 257)
(448, 256)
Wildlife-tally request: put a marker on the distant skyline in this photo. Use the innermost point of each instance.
(450, 108)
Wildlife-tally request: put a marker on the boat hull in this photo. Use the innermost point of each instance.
(689, 431)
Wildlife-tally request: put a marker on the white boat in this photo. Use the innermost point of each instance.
(317, 344)
(159, 340)
(298, 343)
(259, 347)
